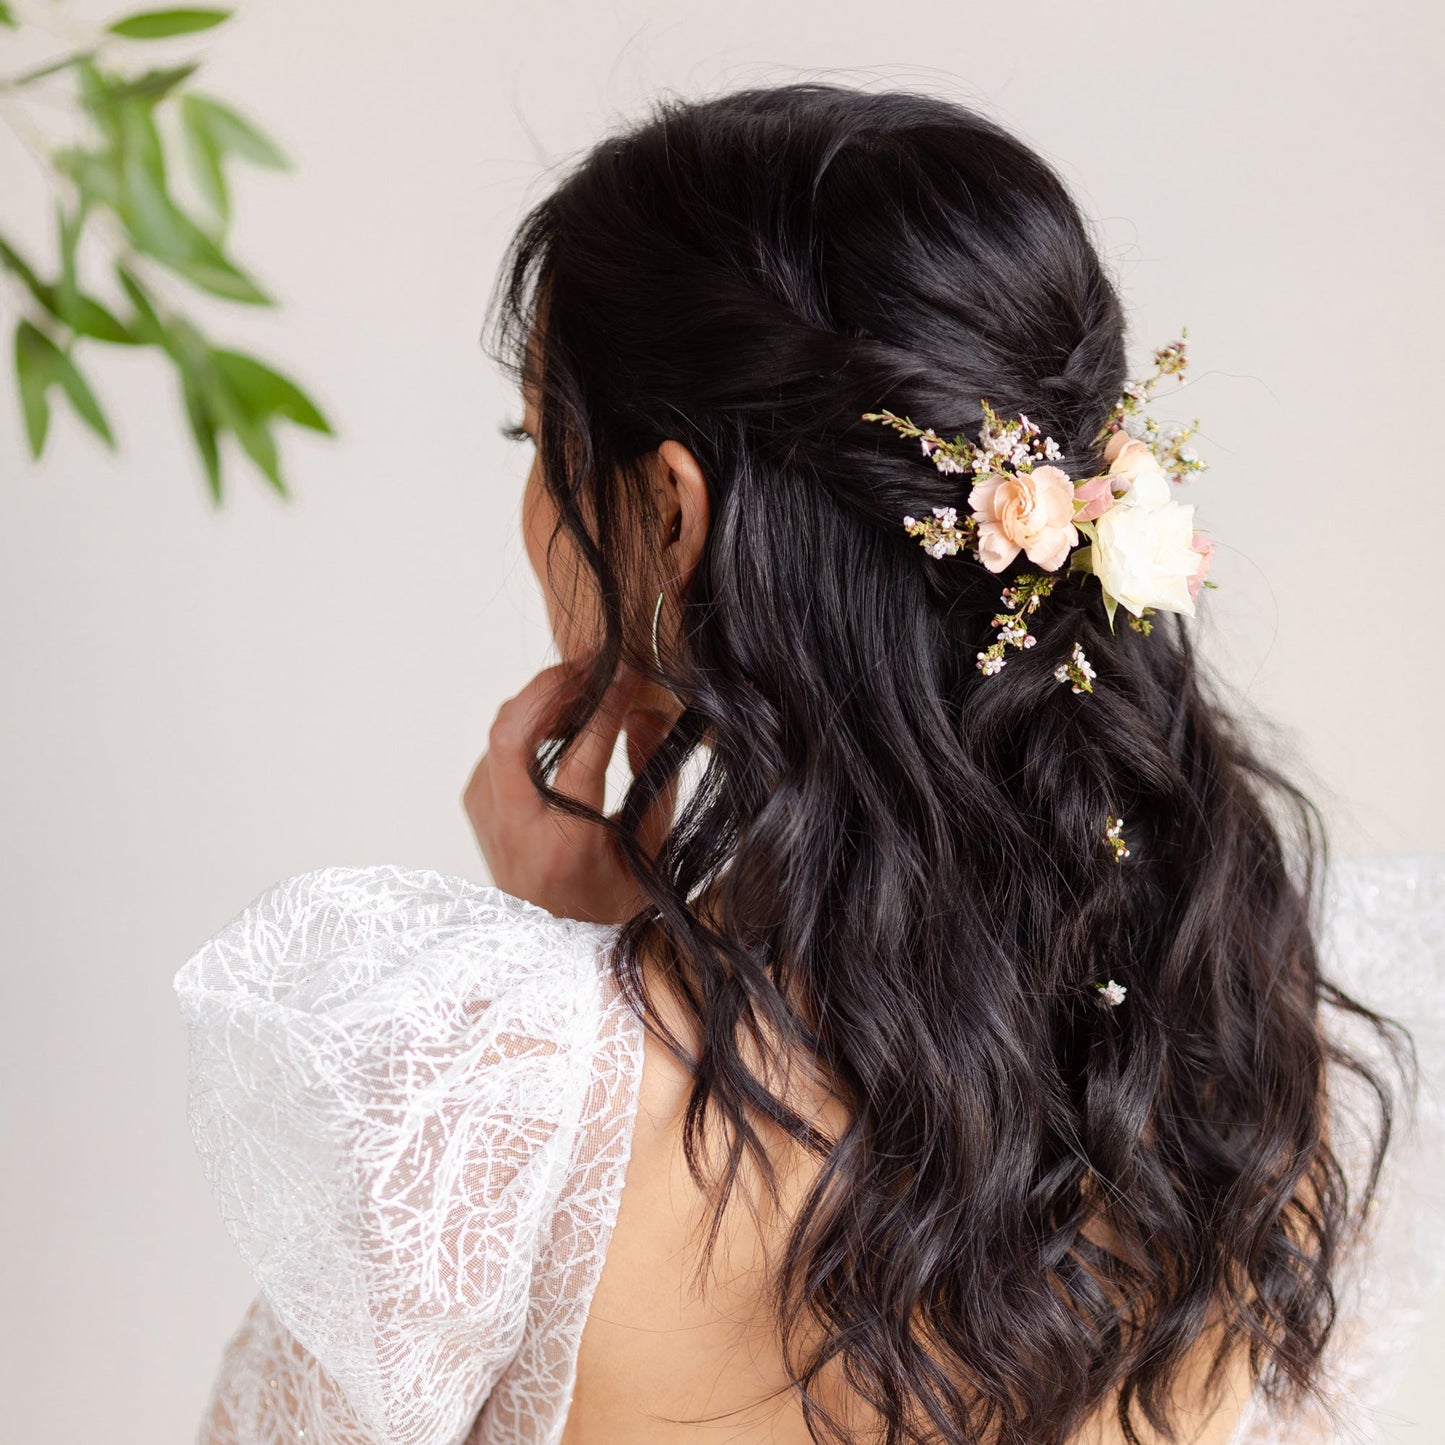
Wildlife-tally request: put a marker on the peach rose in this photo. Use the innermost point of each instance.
(1128, 457)
(1028, 511)
(1201, 544)
(1118, 440)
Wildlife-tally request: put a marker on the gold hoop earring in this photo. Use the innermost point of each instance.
(656, 615)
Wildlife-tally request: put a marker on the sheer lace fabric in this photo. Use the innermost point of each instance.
(413, 1096)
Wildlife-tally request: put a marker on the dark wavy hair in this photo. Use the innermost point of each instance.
(903, 858)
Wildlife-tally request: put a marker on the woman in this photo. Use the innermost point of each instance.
(961, 1031)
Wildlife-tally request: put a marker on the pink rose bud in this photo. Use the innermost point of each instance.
(1097, 495)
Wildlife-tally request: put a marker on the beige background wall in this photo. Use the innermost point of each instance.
(200, 703)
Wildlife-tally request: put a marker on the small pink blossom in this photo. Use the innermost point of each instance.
(1201, 544)
(1097, 495)
(1028, 511)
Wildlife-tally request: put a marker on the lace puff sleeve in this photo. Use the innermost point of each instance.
(391, 1075)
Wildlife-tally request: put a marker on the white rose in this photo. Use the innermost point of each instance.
(1142, 552)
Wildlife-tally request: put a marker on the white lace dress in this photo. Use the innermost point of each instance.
(413, 1096)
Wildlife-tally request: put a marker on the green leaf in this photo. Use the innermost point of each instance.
(150, 86)
(12, 260)
(7, 15)
(88, 317)
(194, 358)
(147, 325)
(82, 398)
(34, 375)
(82, 313)
(69, 228)
(91, 318)
(204, 430)
(145, 207)
(263, 392)
(95, 176)
(203, 155)
(189, 347)
(1111, 604)
(95, 87)
(232, 132)
(260, 445)
(157, 24)
(227, 407)
(160, 228)
(214, 273)
(39, 365)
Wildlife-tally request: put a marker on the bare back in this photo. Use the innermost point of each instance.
(661, 1363)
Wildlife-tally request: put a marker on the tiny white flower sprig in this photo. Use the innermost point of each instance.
(1167, 443)
(940, 534)
(1113, 992)
(1114, 837)
(1002, 443)
(1123, 524)
(1011, 629)
(1077, 670)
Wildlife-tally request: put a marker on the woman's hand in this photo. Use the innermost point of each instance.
(566, 865)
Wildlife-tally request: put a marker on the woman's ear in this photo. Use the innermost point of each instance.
(683, 509)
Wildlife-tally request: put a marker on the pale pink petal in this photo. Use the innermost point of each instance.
(995, 550)
(981, 498)
(1050, 476)
(1055, 491)
(1205, 547)
(1049, 548)
(1015, 508)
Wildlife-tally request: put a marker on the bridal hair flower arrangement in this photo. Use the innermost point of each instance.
(1122, 525)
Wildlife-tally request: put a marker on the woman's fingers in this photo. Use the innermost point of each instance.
(564, 863)
(522, 723)
(582, 773)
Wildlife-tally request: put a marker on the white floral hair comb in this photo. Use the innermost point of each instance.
(1123, 525)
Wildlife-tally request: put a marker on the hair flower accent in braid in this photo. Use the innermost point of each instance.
(1122, 524)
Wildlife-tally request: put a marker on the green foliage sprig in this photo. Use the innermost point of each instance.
(117, 184)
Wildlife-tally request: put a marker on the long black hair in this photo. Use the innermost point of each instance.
(903, 858)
